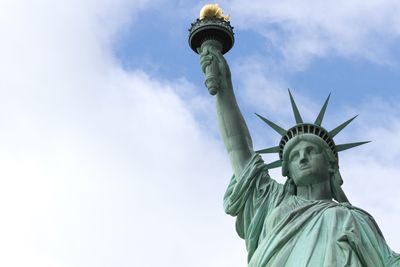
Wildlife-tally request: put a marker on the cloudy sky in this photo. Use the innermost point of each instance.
(109, 149)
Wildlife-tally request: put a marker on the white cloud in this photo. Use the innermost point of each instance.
(100, 167)
(305, 30)
(94, 161)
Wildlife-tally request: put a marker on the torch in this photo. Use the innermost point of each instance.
(212, 30)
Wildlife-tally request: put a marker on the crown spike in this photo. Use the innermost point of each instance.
(296, 112)
(349, 145)
(277, 128)
(335, 131)
(318, 120)
(274, 149)
(275, 164)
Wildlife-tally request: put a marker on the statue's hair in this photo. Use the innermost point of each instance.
(335, 177)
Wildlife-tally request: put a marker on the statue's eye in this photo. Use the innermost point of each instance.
(312, 150)
(294, 155)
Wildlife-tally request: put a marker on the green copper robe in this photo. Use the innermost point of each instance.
(286, 230)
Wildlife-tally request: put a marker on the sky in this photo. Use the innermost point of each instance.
(109, 149)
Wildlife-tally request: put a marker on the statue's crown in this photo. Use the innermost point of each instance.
(306, 128)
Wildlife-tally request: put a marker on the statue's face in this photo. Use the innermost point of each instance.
(307, 164)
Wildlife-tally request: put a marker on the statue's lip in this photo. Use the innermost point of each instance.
(304, 167)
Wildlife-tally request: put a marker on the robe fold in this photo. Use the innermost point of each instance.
(281, 229)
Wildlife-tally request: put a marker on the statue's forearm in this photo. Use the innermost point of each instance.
(232, 126)
(234, 131)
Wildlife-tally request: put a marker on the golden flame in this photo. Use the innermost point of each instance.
(212, 10)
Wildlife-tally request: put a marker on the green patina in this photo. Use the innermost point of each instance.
(308, 221)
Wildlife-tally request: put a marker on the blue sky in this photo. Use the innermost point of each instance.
(109, 149)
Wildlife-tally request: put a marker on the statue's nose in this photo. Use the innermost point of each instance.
(303, 160)
(303, 157)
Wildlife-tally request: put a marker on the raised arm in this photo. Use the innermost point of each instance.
(232, 126)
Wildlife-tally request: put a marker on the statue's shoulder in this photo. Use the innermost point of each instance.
(355, 210)
(353, 213)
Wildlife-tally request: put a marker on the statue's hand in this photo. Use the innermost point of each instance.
(216, 69)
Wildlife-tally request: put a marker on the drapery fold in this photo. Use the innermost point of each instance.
(285, 230)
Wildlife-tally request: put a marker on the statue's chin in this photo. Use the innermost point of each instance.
(309, 179)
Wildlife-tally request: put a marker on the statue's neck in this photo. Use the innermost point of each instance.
(318, 191)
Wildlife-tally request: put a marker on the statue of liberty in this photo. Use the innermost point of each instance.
(308, 221)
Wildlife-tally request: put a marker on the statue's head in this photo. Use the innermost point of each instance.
(308, 153)
(307, 159)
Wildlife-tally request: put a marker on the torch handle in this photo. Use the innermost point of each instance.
(212, 73)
